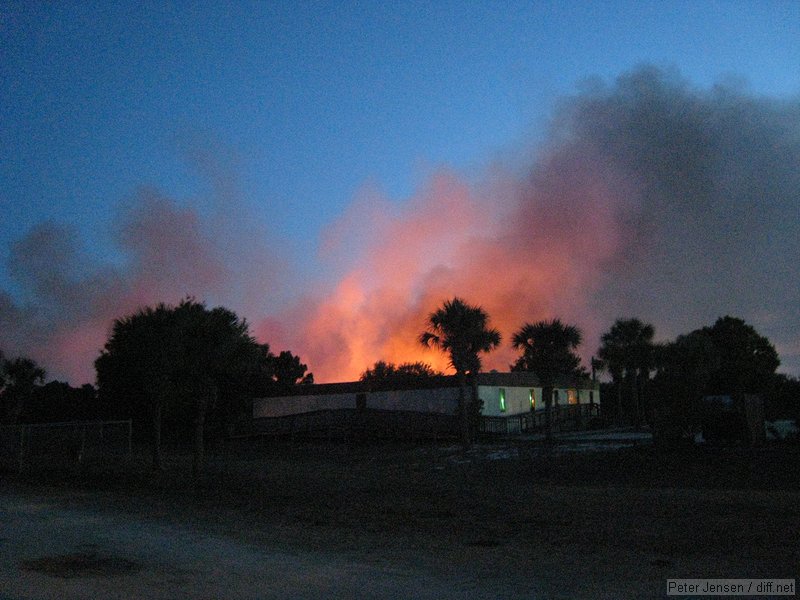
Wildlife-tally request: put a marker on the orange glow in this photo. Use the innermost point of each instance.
(523, 251)
(538, 261)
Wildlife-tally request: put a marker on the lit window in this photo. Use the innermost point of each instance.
(572, 396)
(532, 399)
(502, 400)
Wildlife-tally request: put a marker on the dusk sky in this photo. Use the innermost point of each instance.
(334, 171)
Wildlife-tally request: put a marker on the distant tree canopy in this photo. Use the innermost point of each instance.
(188, 366)
(277, 373)
(462, 331)
(18, 379)
(629, 354)
(288, 370)
(187, 359)
(746, 360)
(548, 349)
(57, 401)
(25, 399)
(388, 374)
(728, 357)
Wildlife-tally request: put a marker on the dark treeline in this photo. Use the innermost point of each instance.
(387, 375)
(728, 357)
(191, 372)
(186, 370)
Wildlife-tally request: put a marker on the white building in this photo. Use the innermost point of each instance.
(503, 395)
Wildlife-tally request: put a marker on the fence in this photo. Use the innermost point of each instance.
(563, 418)
(63, 444)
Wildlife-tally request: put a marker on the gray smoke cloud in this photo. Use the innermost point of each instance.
(649, 198)
(713, 227)
(69, 297)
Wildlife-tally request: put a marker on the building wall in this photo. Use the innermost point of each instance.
(437, 400)
(517, 399)
(443, 400)
(293, 405)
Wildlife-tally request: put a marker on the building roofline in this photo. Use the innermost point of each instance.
(493, 378)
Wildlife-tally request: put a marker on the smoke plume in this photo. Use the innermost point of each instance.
(648, 198)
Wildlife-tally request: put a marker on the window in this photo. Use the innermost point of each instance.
(502, 400)
(532, 399)
(572, 396)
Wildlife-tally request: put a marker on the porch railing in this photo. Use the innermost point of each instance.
(563, 418)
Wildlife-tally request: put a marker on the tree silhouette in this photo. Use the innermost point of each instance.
(729, 357)
(20, 376)
(685, 369)
(548, 349)
(628, 351)
(289, 371)
(139, 361)
(385, 375)
(463, 332)
(177, 355)
(747, 360)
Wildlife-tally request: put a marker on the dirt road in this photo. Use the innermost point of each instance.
(508, 521)
(53, 552)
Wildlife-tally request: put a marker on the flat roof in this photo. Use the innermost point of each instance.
(495, 379)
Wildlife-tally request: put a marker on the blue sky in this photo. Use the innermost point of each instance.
(315, 99)
(301, 105)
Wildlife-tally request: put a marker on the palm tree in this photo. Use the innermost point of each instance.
(462, 331)
(21, 376)
(628, 351)
(548, 349)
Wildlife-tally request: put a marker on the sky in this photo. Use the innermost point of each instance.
(334, 171)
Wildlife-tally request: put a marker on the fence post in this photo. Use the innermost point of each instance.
(21, 464)
(83, 445)
(130, 439)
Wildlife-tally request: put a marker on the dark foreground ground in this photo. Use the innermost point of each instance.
(508, 520)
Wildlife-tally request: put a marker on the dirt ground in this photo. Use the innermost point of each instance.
(508, 520)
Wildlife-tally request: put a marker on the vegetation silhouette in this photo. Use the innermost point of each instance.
(729, 358)
(462, 331)
(548, 349)
(184, 355)
(196, 369)
(384, 375)
(18, 379)
(288, 371)
(629, 354)
(745, 360)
